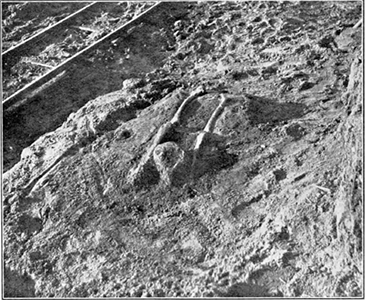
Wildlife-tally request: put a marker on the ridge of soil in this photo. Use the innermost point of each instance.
(274, 210)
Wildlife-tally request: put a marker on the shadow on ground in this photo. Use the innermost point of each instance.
(247, 290)
(264, 110)
(16, 285)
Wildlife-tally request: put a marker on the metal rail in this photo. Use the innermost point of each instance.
(11, 56)
(33, 86)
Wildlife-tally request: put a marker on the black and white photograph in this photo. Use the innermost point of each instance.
(182, 149)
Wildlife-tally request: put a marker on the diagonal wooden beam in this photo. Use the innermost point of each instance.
(31, 87)
(11, 56)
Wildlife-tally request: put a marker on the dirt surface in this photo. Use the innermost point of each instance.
(22, 20)
(52, 50)
(266, 200)
(104, 70)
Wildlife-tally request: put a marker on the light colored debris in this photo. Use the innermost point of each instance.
(358, 24)
(40, 64)
(207, 135)
(85, 28)
(196, 93)
(164, 134)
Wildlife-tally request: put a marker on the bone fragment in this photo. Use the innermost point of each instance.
(206, 134)
(196, 93)
(226, 100)
(164, 133)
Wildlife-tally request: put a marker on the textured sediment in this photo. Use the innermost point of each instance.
(263, 200)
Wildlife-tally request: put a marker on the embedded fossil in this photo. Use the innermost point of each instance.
(169, 159)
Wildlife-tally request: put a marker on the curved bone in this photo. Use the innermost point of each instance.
(196, 93)
(226, 100)
(206, 134)
(164, 134)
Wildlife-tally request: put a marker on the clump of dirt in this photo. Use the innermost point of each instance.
(275, 204)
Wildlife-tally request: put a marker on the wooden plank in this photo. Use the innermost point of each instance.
(28, 89)
(11, 56)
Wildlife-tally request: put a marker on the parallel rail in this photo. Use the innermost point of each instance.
(31, 89)
(11, 56)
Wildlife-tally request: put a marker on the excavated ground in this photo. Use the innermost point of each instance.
(22, 20)
(52, 50)
(274, 210)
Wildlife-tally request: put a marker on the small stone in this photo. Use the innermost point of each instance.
(323, 269)
(178, 24)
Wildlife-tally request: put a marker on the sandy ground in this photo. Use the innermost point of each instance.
(269, 205)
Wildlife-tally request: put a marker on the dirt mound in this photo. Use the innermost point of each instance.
(274, 206)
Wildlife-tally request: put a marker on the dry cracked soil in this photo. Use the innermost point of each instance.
(267, 202)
